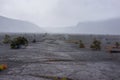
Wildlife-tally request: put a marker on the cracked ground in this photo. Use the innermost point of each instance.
(57, 59)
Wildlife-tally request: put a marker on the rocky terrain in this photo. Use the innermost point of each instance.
(54, 59)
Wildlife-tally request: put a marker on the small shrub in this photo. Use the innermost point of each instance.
(16, 43)
(117, 44)
(96, 45)
(34, 41)
(7, 39)
(76, 42)
(81, 45)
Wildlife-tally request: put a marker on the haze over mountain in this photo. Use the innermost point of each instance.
(12, 25)
(103, 15)
(111, 26)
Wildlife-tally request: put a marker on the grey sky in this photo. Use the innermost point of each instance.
(58, 13)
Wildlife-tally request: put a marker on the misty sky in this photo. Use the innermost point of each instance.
(60, 13)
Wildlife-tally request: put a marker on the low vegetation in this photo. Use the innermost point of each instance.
(34, 41)
(117, 44)
(96, 45)
(52, 77)
(18, 42)
(81, 44)
(7, 39)
(73, 41)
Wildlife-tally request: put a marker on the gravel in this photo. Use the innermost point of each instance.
(56, 58)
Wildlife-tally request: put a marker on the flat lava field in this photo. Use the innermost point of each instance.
(54, 59)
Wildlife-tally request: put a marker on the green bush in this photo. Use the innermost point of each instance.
(16, 43)
(81, 45)
(7, 39)
(96, 45)
(117, 44)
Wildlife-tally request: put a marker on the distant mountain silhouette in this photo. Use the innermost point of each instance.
(111, 26)
(12, 25)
